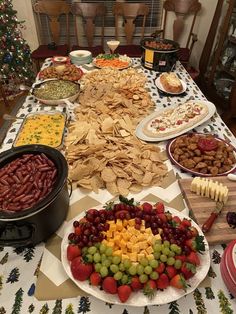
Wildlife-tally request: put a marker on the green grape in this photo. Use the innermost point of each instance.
(121, 267)
(153, 263)
(114, 268)
(178, 264)
(98, 267)
(157, 247)
(118, 275)
(171, 254)
(163, 258)
(166, 243)
(154, 275)
(132, 270)
(127, 263)
(102, 248)
(97, 257)
(170, 261)
(124, 279)
(157, 255)
(143, 278)
(144, 261)
(174, 247)
(103, 257)
(116, 259)
(106, 263)
(158, 241)
(148, 270)
(140, 269)
(92, 250)
(104, 271)
(109, 251)
(89, 258)
(84, 250)
(178, 250)
(166, 251)
(97, 245)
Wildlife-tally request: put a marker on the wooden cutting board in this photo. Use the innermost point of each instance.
(201, 207)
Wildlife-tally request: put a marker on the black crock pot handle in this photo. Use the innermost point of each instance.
(70, 185)
(10, 228)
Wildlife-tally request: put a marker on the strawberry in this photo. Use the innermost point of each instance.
(79, 270)
(150, 288)
(72, 251)
(193, 231)
(160, 269)
(109, 285)
(135, 283)
(147, 208)
(193, 258)
(162, 217)
(188, 270)
(124, 293)
(162, 281)
(78, 230)
(176, 220)
(170, 271)
(95, 279)
(159, 208)
(186, 223)
(196, 244)
(178, 282)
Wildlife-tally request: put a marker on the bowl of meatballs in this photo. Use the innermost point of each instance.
(202, 154)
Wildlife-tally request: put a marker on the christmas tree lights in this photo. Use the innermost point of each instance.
(15, 61)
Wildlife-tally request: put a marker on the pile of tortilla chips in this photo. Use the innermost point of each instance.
(101, 148)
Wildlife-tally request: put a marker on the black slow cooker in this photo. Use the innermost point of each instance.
(33, 225)
(159, 54)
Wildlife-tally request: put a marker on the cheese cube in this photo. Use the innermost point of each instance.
(117, 252)
(149, 230)
(112, 227)
(133, 239)
(150, 257)
(133, 257)
(135, 248)
(131, 222)
(140, 256)
(119, 225)
(149, 250)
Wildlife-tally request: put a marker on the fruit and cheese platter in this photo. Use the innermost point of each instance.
(135, 253)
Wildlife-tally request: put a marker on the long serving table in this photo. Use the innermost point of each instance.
(32, 280)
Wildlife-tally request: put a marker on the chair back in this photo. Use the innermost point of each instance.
(89, 13)
(53, 10)
(181, 9)
(129, 12)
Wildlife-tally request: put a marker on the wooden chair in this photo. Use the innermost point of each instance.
(90, 13)
(181, 9)
(53, 10)
(129, 12)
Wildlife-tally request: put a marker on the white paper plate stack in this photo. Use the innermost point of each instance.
(228, 267)
(79, 57)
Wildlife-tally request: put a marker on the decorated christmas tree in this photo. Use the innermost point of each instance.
(15, 62)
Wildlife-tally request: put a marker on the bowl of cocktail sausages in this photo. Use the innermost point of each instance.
(34, 197)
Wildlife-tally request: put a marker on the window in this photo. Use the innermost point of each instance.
(153, 22)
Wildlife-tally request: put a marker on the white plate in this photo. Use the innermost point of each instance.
(138, 298)
(160, 86)
(139, 129)
(118, 68)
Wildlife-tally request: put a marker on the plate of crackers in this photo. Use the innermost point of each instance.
(202, 154)
(114, 61)
(69, 72)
